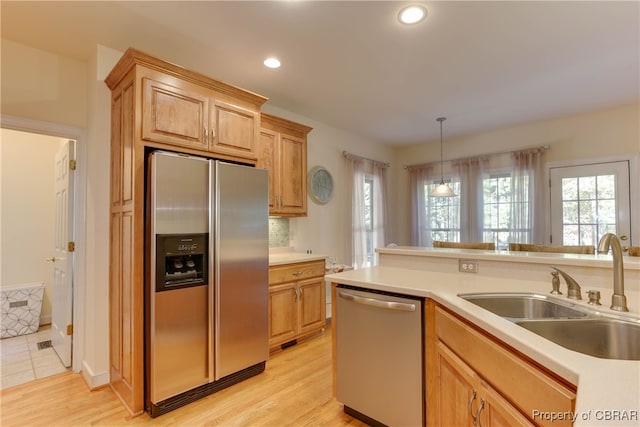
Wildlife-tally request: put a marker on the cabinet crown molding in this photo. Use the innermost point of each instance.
(133, 57)
(279, 124)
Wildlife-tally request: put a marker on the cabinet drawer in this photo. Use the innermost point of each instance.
(523, 383)
(294, 272)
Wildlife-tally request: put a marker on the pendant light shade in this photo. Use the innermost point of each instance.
(443, 189)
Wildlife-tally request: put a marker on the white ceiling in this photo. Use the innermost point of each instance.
(484, 65)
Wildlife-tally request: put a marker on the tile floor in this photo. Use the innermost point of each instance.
(21, 361)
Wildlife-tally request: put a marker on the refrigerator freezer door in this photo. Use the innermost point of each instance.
(179, 330)
(241, 270)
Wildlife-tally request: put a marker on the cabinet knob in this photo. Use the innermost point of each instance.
(297, 273)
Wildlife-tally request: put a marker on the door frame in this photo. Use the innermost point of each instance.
(79, 206)
(634, 189)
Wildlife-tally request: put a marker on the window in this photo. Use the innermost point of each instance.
(499, 205)
(494, 203)
(443, 213)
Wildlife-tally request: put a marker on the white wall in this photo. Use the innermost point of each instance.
(324, 229)
(28, 209)
(43, 86)
(605, 133)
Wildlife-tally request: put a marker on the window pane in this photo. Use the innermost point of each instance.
(570, 235)
(587, 212)
(606, 186)
(587, 234)
(587, 187)
(570, 189)
(606, 211)
(570, 212)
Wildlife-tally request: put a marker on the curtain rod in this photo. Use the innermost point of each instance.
(544, 147)
(345, 153)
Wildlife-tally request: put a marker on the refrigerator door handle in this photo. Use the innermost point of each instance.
(373, 302)
(213, 270)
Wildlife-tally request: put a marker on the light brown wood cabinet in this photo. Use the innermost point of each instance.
(475, 380)
(184, 114)
(155, 104)
(296, 301)
(282, 150)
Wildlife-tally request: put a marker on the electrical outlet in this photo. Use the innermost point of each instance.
(467, 266)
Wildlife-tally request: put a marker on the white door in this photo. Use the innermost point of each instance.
(588, 201)
(62, 298)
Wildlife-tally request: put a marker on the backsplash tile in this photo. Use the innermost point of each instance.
(278, 232)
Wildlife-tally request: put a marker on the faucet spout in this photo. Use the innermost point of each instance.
(611, 241)
(573, 289)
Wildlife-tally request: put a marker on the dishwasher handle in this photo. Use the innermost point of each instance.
(390, 305)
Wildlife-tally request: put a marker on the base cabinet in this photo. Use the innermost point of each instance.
(466, 400)
(296, 301)
(475, 380)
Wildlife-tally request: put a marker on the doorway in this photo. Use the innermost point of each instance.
(39, 221)
(589, 200)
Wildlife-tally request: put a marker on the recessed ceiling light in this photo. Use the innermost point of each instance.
(412, 14)
(272, 62)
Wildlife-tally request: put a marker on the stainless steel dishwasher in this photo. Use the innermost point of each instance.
(380, 356)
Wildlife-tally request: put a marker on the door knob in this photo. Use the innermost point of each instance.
(52, 259)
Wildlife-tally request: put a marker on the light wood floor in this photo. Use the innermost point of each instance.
(294, 390)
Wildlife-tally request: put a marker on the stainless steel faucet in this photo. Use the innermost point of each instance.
(611, 241)
(573, 289)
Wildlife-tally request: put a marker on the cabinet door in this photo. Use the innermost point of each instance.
(311, 302)
(174, 115)
(458, 397)
(234, 131)
(283, 316)
(498, 412)
(267, 153)
(293, 190)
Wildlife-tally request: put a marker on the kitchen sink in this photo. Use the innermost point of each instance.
(596, 336)
(523, 305)
(578, 329)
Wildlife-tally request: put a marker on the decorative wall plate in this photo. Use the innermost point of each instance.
(319, 185)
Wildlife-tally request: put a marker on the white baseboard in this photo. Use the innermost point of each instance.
(94, 380)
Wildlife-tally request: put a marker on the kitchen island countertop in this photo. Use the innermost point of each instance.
(603, 385)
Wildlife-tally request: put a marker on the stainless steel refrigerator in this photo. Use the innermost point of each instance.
(207, 284)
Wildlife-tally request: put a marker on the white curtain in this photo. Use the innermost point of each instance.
(527, 213)
(419, 176)
(357, 245)
(471, 174)
(359, 169)
(380, 214)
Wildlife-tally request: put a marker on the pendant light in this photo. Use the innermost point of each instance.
(442, 190)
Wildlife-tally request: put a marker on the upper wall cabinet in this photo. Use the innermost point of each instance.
(181, 108)
(282, 150)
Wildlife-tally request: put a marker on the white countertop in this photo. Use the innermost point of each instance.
(287, 257)
(603, 385)
(597, 260)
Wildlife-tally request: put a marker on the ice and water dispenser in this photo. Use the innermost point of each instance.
(181, 261)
